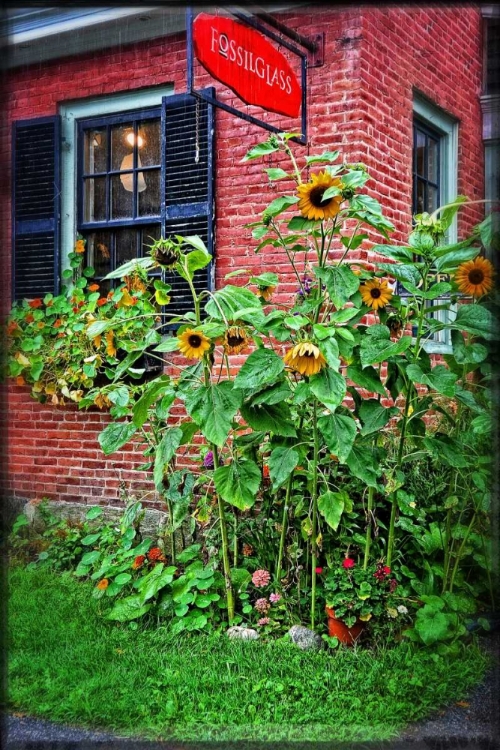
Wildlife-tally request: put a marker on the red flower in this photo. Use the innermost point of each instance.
(75, 309)
(155, 554)
(58, 323)
(35, 303)
(138, 561)
(102, 301)
(93, 287)
(319, 571)
(348, 563)
(29, 318)
(386, 570)
(265, 471)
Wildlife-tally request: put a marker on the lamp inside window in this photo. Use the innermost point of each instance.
(127, 180)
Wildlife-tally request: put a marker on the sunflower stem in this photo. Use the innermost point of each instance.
(314, 544)
(368, 538)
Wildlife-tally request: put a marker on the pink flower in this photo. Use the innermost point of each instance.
(263, 621)
(273, 598)
(262, 605)
(319, 571)
(348, 563)
(261, 578)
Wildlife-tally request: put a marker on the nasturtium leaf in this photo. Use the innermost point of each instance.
(269, 418)
(122, 578)
(331, 506)
(376, 345)
(367, 378)
(238, 483)
(91, 538)
(431, 625)
(261, 368)
(164, 453)
(339, 433)
(213, 407)
(89, 558)
(340, 282)
(374, 416)
(282, 462)
(129, 608)
(329, 387)
(116, 435)
(189, 553)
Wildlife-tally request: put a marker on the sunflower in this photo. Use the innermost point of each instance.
(193, 344)
(311, 203)
(375, 293)
(475, 277)
(235, 340)
(305, 358)
(165, 253)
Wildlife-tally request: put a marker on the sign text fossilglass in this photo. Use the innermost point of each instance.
(247, 63)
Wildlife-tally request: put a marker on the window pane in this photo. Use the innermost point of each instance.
(420, 154)
(420, 207)
(149, 235)
(149, 198)
(148, 142)
(432, 198)
(122, 144)
(99, 252)
(121, 196)
(95, 199)
(95, 151)
(126, 245)
(432, 160)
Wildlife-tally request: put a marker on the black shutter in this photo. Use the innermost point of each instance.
(188, 174)
(35, 207)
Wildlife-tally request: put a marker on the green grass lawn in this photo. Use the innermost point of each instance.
(68, 665)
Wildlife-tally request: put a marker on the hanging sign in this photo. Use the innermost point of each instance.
(242, 59)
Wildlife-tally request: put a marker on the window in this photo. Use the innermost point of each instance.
(434, 168)
(122, 170)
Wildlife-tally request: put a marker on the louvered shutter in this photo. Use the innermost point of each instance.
(35, 207)
(187, 176)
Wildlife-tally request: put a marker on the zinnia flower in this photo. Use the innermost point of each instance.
(475, 277)
(305, 358)
(235, 340)
(263, 621)
(193, 344)
(348, 562)
(139, 560)
(311, 203)
(262, 605)
(261, 578)
(319, 571)
(103, 584)
(273, 598)
(247, 550)
(375, 293)
(155, 553)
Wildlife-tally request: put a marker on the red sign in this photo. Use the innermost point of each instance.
(247, 63)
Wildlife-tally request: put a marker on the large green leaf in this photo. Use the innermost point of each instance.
(282, 462)
(165, 452)
(238, 483)
(362, 464)
(454, 258)
(439, 378)
(280, 204)
(447, 450)
(195, 260)
(374, 416)
(261, 368)
(394, 251)
(475, 319)
(226, 302)
(154, 581)
(376, 345)
(274, 394)
(129, 608)
(402, 271)
(431, 625)
(115, 435)
(329, 348)
(339, 433)
(367, 378)
(340, 282)
(467, 353)
(331, 506)
(154, 390)
(213, 407)
(269, 418)
(329, 387)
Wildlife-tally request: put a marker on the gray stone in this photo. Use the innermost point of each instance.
(244, 634)
(304, 638)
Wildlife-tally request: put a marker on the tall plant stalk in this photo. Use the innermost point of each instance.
(314, 500)
(368, 537)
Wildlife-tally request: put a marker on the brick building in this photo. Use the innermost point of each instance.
(399, 89)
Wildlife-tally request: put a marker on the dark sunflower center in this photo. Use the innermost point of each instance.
(309, 355)
(375, 293)
(234, 339)
(476, 276)
(194, 341)
(316, 197)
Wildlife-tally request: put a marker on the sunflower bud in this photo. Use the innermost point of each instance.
(165, 253)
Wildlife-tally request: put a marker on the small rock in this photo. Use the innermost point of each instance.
(244, 634)
(304, 638)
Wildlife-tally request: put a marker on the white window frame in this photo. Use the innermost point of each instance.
(71, 112)
(447, 127)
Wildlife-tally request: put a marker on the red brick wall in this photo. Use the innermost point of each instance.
(360, 101)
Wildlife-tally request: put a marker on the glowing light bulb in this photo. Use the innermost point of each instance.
(131, 140)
